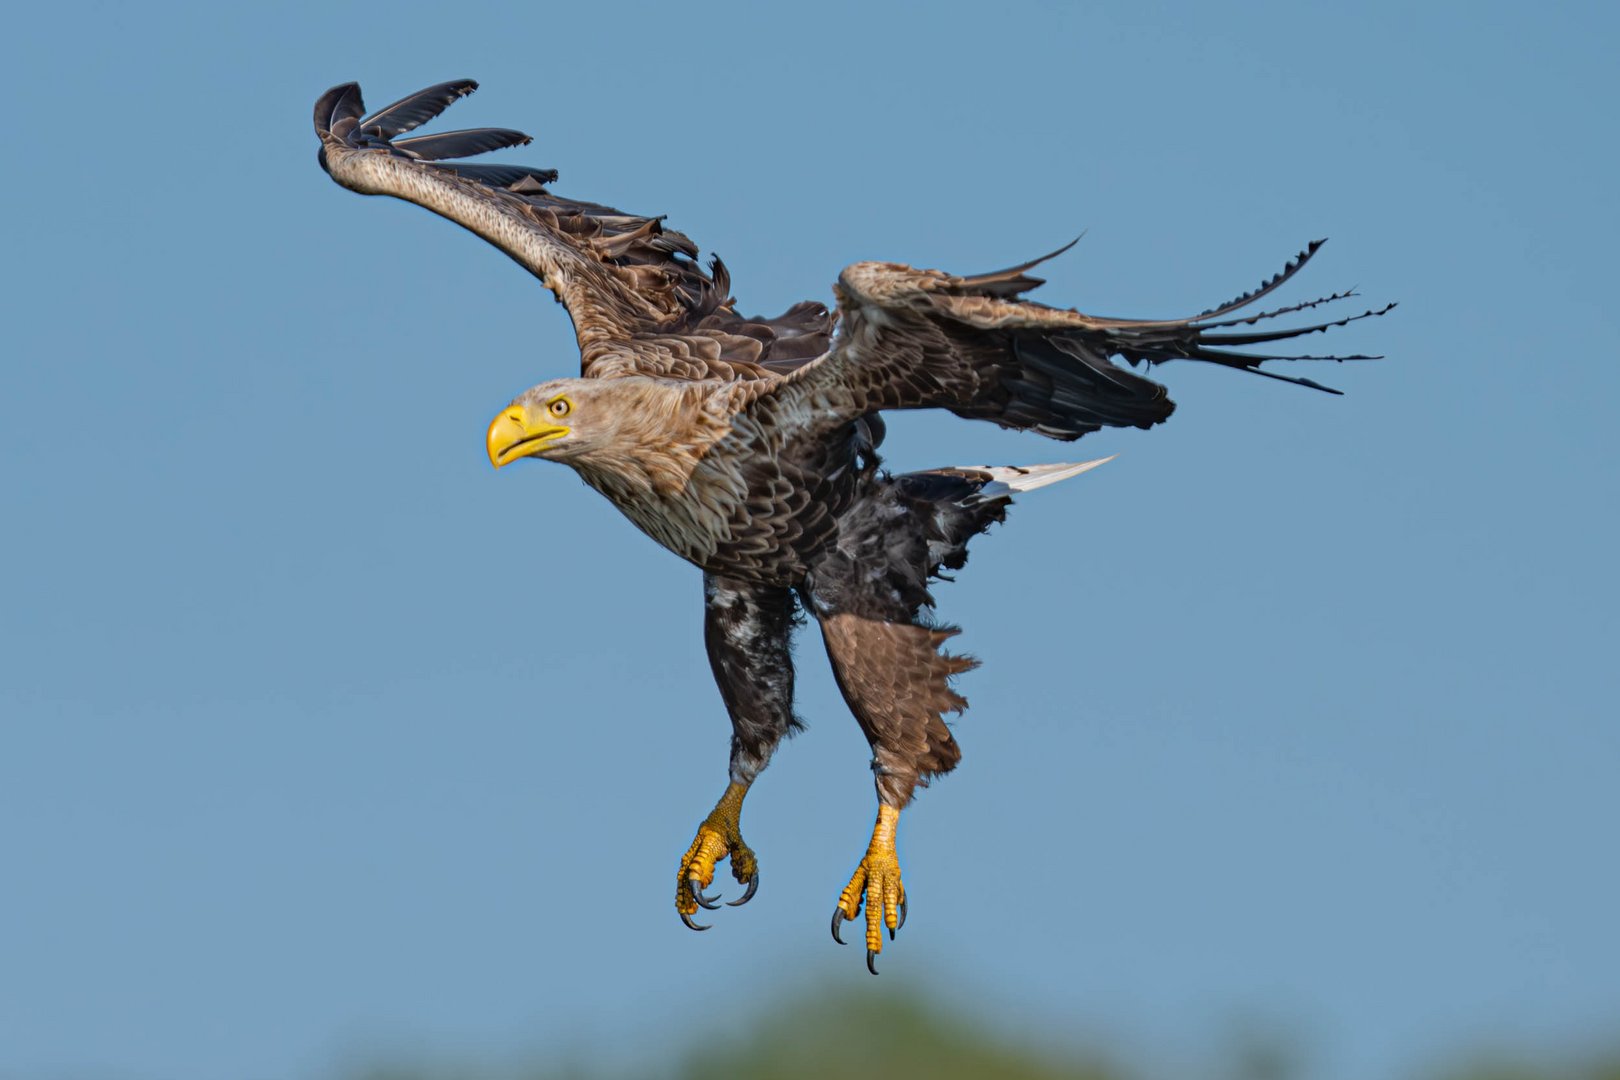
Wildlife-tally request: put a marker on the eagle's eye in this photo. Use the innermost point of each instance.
(560, 407)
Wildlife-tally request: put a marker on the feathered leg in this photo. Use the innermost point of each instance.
(748, 631)
(896, 682)
(870, 595)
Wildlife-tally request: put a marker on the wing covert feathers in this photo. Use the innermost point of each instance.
(640, 300)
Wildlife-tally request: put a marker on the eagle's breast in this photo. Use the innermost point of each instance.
(728, 493)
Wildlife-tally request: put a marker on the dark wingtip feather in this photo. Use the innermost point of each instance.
(1269, 286)
(414, 110)
(459, 144)
(342, 102)
(1298, 331)
(721, 278)
(1250, 320)
(1013, 280)
(499, 175)
(1297, 380)
(1194, 344)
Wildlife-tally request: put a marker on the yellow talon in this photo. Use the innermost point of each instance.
(875, 885)
(719, 837)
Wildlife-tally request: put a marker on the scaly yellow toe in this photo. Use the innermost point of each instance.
(876, 885)
(719, 837)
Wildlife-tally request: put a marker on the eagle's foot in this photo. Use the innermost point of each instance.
(719, 837)
(877, 886)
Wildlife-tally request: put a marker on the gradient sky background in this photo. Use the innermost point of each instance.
(323, 741)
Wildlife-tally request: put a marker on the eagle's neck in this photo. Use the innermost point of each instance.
(651, 466)
(657, 433)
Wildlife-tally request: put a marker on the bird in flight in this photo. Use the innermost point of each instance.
(748, 446)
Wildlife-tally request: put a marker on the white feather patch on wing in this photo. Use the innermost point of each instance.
(1008, 480)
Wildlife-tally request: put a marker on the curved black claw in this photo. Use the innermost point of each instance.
(871, 957)
(902, 920)
(838, 917)
(753, 887)
(704, 901)
(687, 919)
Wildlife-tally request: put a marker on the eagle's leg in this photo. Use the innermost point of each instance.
(719, 837)
(748, 630)
(876, 884)
(897, 683)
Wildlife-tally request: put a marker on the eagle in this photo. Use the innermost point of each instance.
(748, 445)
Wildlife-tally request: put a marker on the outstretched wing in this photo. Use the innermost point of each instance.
(639, 300)
(913, 339)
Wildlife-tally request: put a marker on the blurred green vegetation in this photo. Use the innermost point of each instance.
(869, 1035)
(1607, 1068)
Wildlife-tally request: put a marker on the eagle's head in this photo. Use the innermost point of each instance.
(592, 424)
(561, 420)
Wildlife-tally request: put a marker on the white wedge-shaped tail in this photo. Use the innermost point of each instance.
(1009, 480)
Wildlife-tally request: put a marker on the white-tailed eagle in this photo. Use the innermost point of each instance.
(748, 446)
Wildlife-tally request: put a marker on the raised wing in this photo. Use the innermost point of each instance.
(639, 300)
(913, 339)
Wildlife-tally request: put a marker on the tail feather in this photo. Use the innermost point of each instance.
(1008, 480)
(954, 505)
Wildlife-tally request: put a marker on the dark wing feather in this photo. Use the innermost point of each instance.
(1012, 281)
(640, 301)
(414, 110)
(926, 339)
(339, 110)
(500, 176)
(451, 144)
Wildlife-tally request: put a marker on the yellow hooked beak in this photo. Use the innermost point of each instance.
(519, 432)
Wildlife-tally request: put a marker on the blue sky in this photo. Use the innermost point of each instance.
(322, 740)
